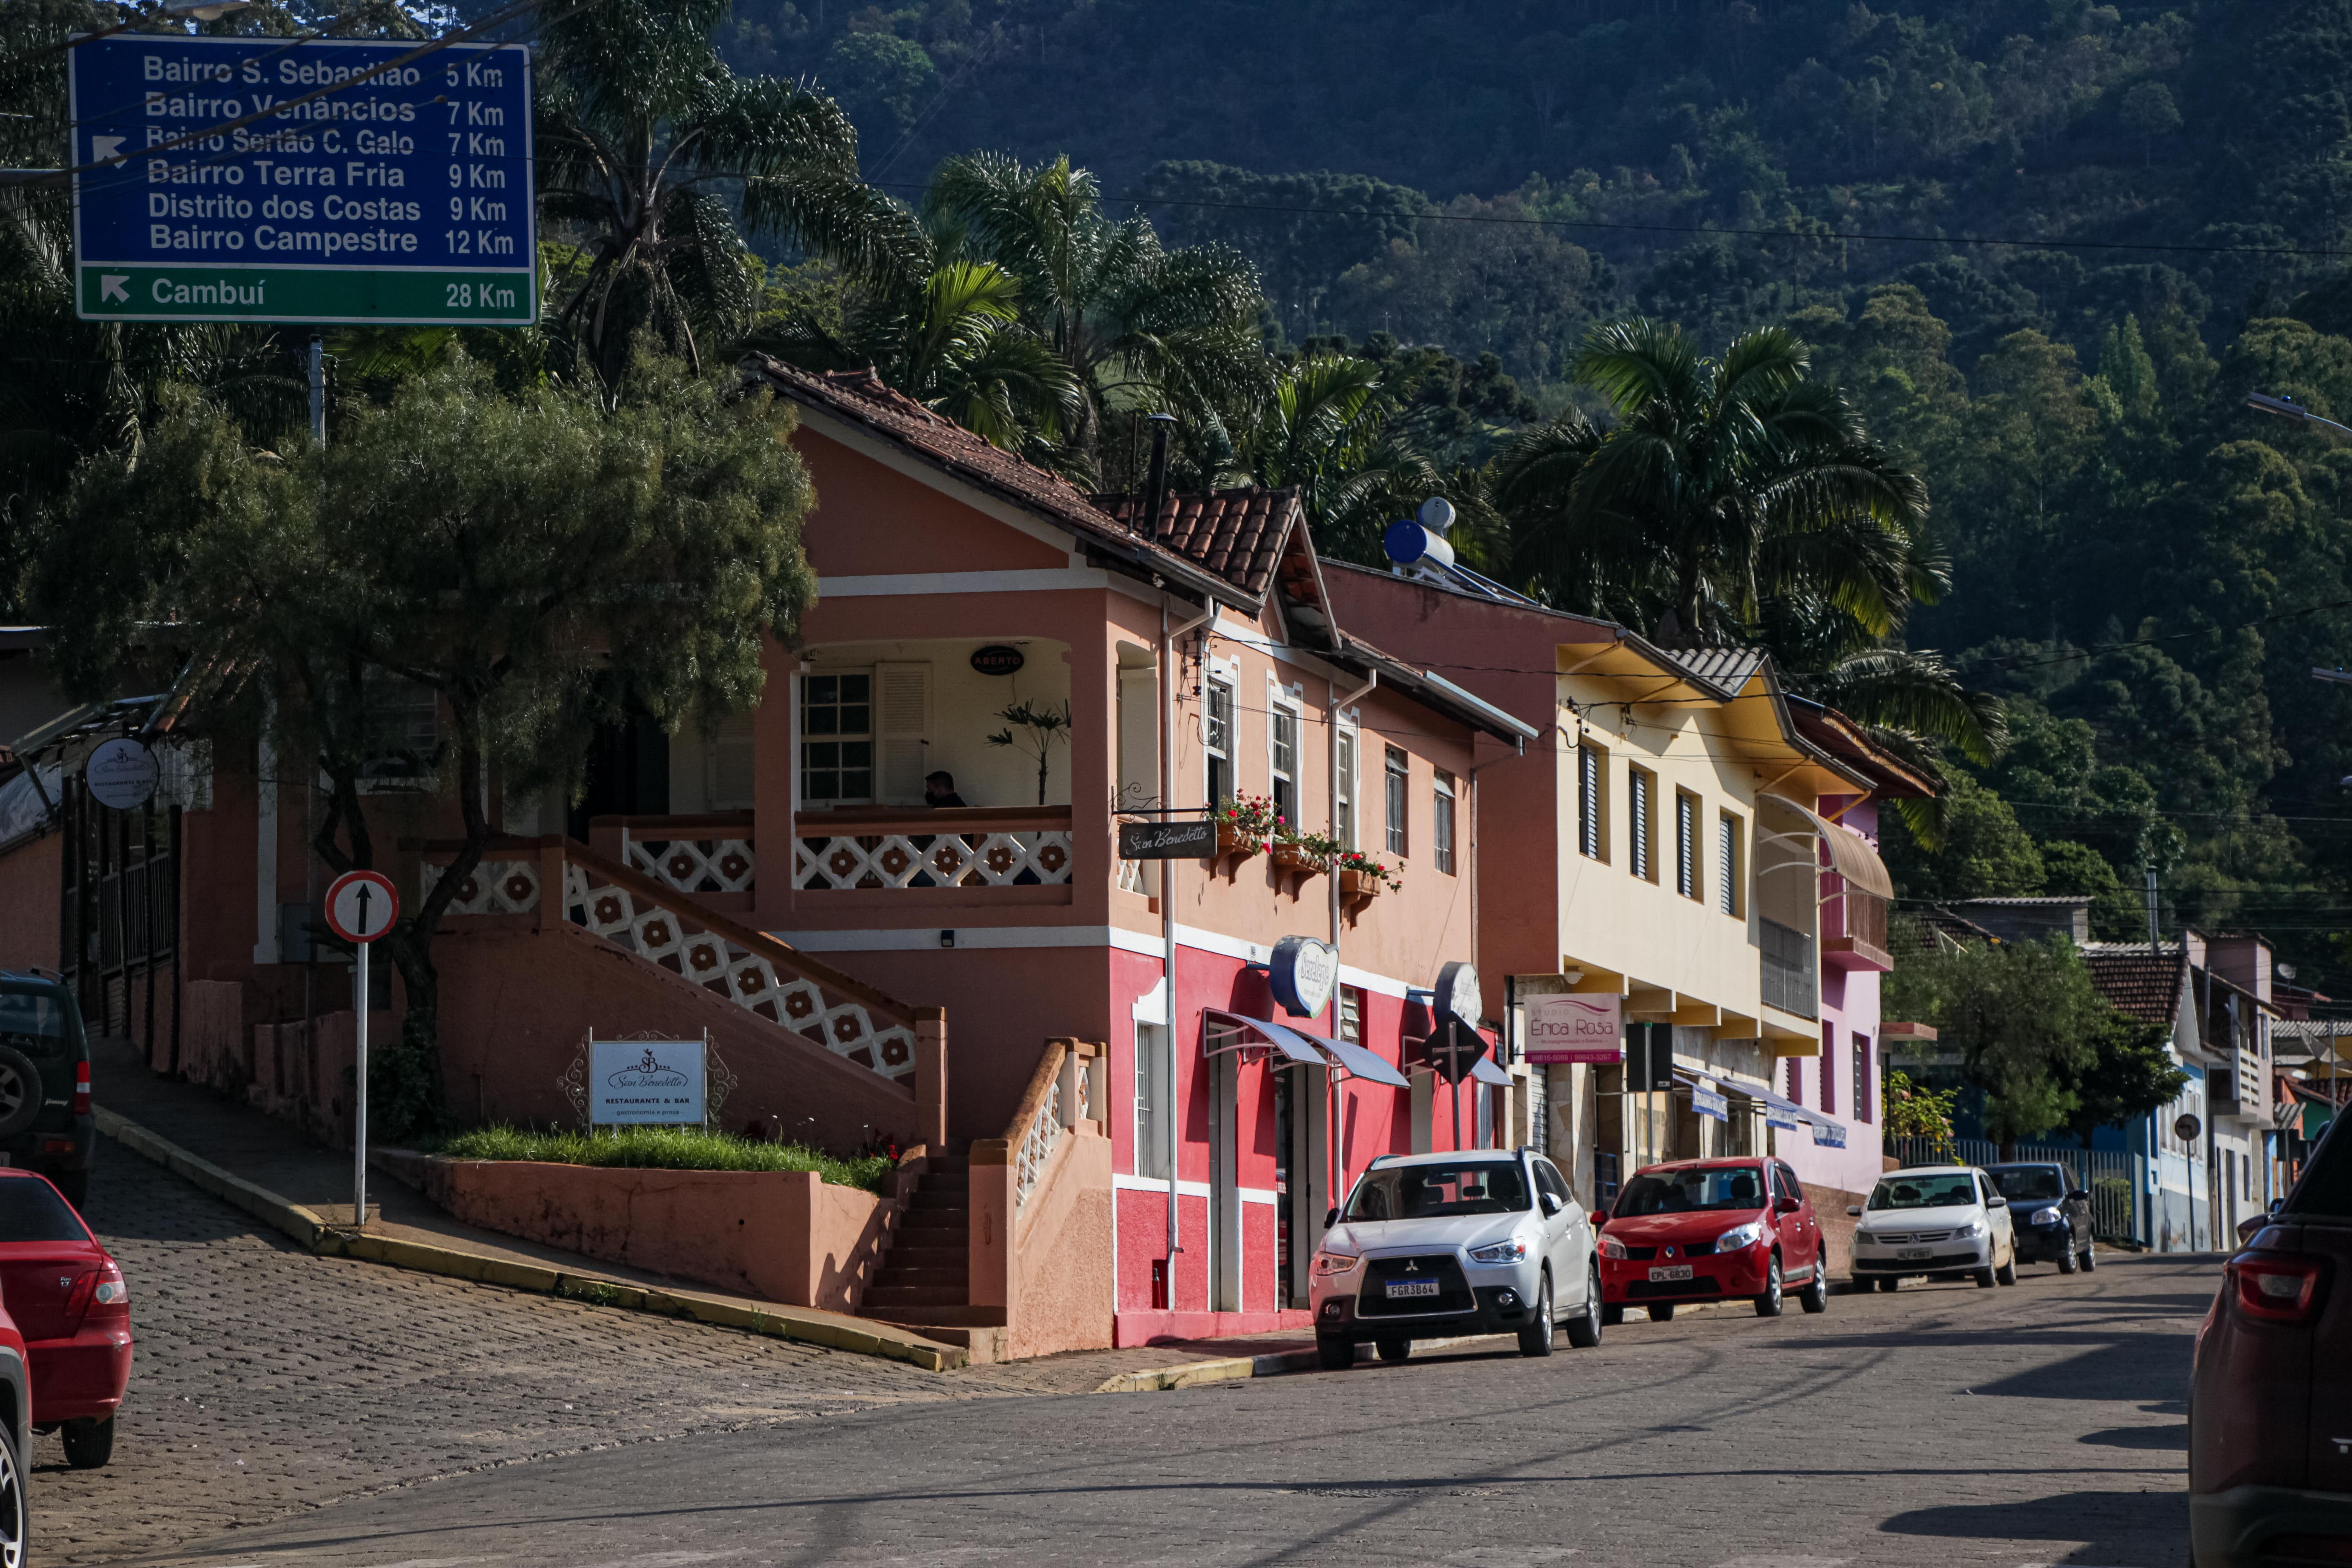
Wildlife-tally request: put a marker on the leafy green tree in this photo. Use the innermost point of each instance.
(658, 161)
(1984, 852)
(2025, 1018)
(2149, 112)
(501, 553)
(2130, 1075)
(883, 81)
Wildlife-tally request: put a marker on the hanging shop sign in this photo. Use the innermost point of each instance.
(1167, 840)
(998, 658)
(1565, 1030)
(1707, 1102)
(121, 774)
(1830, 1134)
(646, 1083)
(1303, 971)
(1457, 993)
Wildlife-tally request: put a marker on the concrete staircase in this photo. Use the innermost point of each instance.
(925, 1280)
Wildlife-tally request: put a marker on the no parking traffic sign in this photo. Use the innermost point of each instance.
(361, 906)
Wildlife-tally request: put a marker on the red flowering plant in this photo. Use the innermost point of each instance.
(1369, 869)
(1249, 817)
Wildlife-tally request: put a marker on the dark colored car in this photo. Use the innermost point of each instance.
(1705, 1230)
(2051, 1215)
(2269, 1400)
(45, 1124)
(69, 1302)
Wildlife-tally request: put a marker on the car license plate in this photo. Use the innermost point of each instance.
(1411, 1288)
(1915, 1254)
(1677, 1271)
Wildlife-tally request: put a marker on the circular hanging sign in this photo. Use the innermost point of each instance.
(361, 906)
(1303, 971)
(2187, 1127)
(1457, 993)
(121, 774)
(998, 658)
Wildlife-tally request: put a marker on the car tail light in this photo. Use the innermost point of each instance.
(2278, 1287)
(101, 1293)
(81, 1089)
(2308, 1547)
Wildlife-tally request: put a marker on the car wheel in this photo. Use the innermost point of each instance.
(2066, 1264)
(1889, 1284)
(1815, 1297)
(1768, 1305)
(2006, 1273)
(1332, 1353)
(1984, 1279)
(14, 1524)
(2089, 1256)
(1536, 1338)
(1584, 1329)
(1664, 1312)
(1393, 1349)
(89, 1444)
(1611, 1316)
(20, 1091)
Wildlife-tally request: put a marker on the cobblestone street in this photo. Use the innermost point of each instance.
(279, 1399)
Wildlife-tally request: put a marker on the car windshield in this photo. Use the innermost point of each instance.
(35, 1022)
(1430, 1192)
(31, 1210)
(1690, 1192)
(2327, 1185)
(2029, 1184)
(1923, 1192)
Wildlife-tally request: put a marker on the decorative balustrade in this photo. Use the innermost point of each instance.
(1067, 1088)
(707, 854)
(660, 925)
(956, 847)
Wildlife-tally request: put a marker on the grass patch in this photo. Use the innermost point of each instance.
(663, 1149)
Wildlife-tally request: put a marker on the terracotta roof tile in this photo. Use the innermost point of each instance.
(1238, 534)
(2142, 985)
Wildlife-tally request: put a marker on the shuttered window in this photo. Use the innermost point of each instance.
(902, 724)
(1637, 814)
(1685, 845)
(1727, 864)
(1588, 802)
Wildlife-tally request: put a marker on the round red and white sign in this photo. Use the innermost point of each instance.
(361, 906)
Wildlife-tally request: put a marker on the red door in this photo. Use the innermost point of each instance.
(1801, 1235)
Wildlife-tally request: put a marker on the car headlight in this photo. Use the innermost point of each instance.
(1973, 1227)
(2046, 1217)
(1740, 1236)
(1329, 1263)
(1510, 1251)
(1612, 1247)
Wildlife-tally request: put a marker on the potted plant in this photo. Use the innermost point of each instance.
(1307, 854)
(1244, 823)
(1361, 878)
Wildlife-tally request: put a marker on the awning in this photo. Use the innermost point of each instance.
(1313, 1050)
(1850, 856)
(1781, 1112)
(1485, 1070)
(1705, 1098)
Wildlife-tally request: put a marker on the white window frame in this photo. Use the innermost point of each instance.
(1397, 801)
(1349, 829)
(1224, 682)
(802, 741)
(1286, 703)
(1445, 827)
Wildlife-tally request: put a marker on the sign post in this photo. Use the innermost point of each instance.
(323, 180)
(360, 908)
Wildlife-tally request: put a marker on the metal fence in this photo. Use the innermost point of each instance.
(2113, 1175)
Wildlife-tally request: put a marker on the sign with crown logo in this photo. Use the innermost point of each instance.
(647, 1083)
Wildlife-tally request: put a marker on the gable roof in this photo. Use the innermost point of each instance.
(2141, 985)
(861, 399)
(1236, 533)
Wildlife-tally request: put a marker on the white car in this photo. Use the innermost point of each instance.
(1476, 1242)
(1946, 1222)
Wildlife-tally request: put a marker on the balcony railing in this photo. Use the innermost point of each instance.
(1853, 927)
(1790, 981)
(965, 847)
(706, 854)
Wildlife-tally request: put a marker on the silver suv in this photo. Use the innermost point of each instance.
(1475, 1242)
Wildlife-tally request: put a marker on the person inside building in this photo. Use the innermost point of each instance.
(940, 790)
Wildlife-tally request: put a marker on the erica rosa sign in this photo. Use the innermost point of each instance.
(1568, 1029)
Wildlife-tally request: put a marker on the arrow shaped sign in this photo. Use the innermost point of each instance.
(104, 147)
(111, 287)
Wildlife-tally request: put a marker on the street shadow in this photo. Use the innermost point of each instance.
(2139, 1367)
(2146, 1529)
(2164, 1439)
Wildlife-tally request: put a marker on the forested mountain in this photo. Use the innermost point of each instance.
(2143, 566)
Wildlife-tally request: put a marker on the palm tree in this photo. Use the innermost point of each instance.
(645, 136)
(1722, 483)
(1139, 325)
(1330, 428)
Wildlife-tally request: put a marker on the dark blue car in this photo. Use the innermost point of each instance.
(2051, 1215)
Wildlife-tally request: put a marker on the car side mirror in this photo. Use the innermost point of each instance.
(1330, 1218)
(2278, 1205)
(1852, 1211)
(1599, 1218)
(1552, 1206)
(1787, 1205)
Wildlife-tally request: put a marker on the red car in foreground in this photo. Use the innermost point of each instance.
(2270, 1401)
(1708, 1230)
(71, 1305)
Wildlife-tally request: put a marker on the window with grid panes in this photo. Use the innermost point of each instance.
(1400, 773)
(1345, 788)
(1221, 741)
(836, 739)
(1588, 801)
(1637, 817)
(1282, 747)
(1441, 832)
(1685, 845)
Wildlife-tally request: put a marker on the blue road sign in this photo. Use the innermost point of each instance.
(271, 180)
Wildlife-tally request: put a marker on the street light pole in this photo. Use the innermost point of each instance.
(2288, 408)
(204, 10)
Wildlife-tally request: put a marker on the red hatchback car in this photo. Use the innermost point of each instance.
(1708, 1230)
(2269, 1400)
(70, 1301)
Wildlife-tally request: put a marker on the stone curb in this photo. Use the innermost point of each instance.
(856, 1336)
(1280, 1363)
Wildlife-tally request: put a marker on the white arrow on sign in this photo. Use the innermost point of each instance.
(104, 147)
(111, 287)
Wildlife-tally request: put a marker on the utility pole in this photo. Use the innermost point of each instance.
(2151, 910)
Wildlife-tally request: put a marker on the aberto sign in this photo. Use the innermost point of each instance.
(324, 180)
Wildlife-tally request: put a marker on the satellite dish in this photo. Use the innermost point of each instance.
(1436, 514)
(1409, 543)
